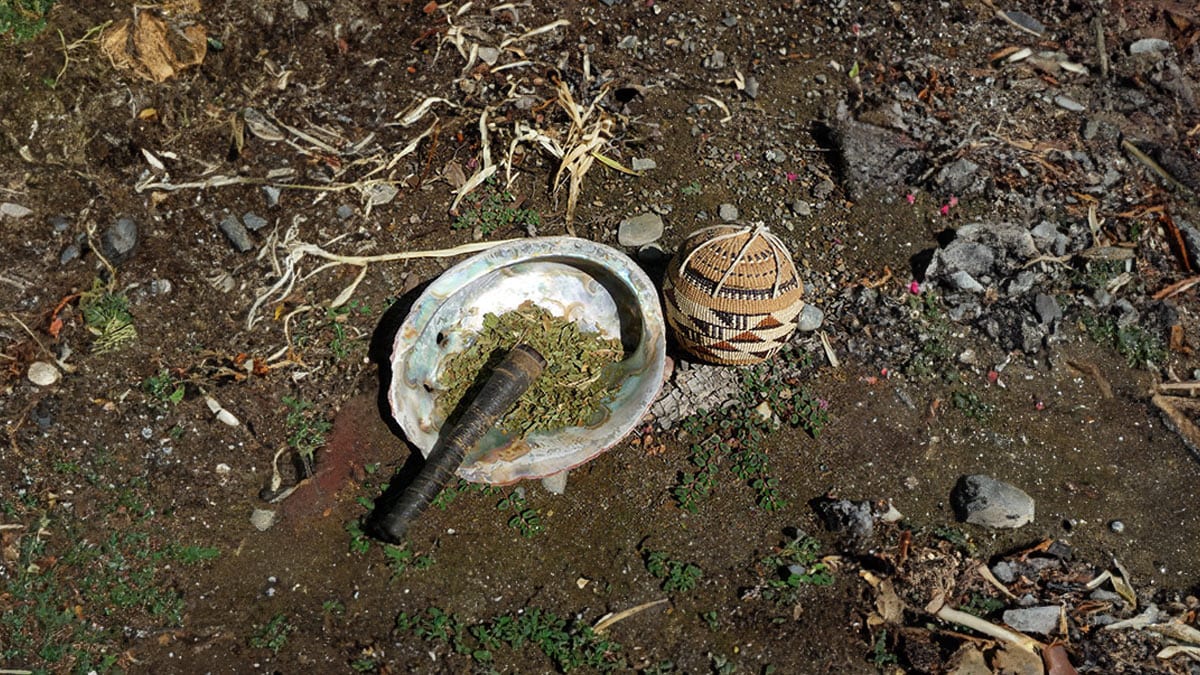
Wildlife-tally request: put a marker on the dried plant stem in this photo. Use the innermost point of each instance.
(296, 251)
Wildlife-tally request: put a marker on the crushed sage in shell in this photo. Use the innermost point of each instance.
(577, 380)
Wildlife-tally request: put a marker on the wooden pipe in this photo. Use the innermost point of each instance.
(499, 394)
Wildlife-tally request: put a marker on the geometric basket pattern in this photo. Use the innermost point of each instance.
(732, 294)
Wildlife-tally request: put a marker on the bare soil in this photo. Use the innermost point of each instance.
(127, 540)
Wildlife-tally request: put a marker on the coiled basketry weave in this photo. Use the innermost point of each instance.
(732, 294)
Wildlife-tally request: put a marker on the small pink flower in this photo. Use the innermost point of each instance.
(1039, 405)
(993, 376)
(792, 177)
(883, 372)
(855, 28)
(914, 287)
(910, 198)
(737, 156)
(953, 200)
(945, 210)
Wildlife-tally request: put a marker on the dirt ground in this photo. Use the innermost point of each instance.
(126, 501)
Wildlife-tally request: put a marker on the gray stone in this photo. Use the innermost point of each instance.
(1069, 104)
(1149, 46)
(727, 212)
(59, 223)
(983, 500)
(855, 520)
(822, 190)
(70, 252)
(715, 61)
(236, 233)
(963, 281)
(811, 318)
(345, 211)
(871, 158)
(751, 89)
(489, 55)
(1047, 309)
(1040, 620)
(802, 208)
(14, 210)
(119, 240)
(271, 193)
(1004, 571)
(1022, 283)
(253, 221)
(640, 230)
(956, 177)
(642, 164)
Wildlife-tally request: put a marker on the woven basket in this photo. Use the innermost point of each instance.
(732, 294)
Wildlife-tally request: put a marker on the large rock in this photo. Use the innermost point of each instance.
(871, 158)
(980, 255)
(983, 500)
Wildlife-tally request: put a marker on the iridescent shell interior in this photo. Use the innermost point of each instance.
(594, 285)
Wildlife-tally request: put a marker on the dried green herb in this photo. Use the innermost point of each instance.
(577, 380)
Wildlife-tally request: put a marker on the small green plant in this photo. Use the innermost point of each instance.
(677, 576)
(341, 344)
(961, 540)
(982, 606)
(272, 635)
(459, 487)
(22, 20)
(491, 209)
(770, 395)
(307, 432)
(106, 315)
(164, 390)
(400, 559)
(1138, 346)
(569, 645)
(194, 553)
(692, 189)
(881, 655)
(791, 566)
(359, 543)
(333, 607)
(970, 405)
(525, 520)
(710, 620)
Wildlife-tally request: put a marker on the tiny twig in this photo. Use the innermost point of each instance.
(609, 619)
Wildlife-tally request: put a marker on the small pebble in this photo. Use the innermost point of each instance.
(70, 252)
(271, 193)
(59, 223)
(14, 210)
(262, 519)
(639, 230)
(236, 233)
(642, 164)
(489, 55)
(253, 221)
(1069, 104)
(1149, 45)
(344, 211)
(43, 374)
(119, 240)
(1117, 526)
(727, 212)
